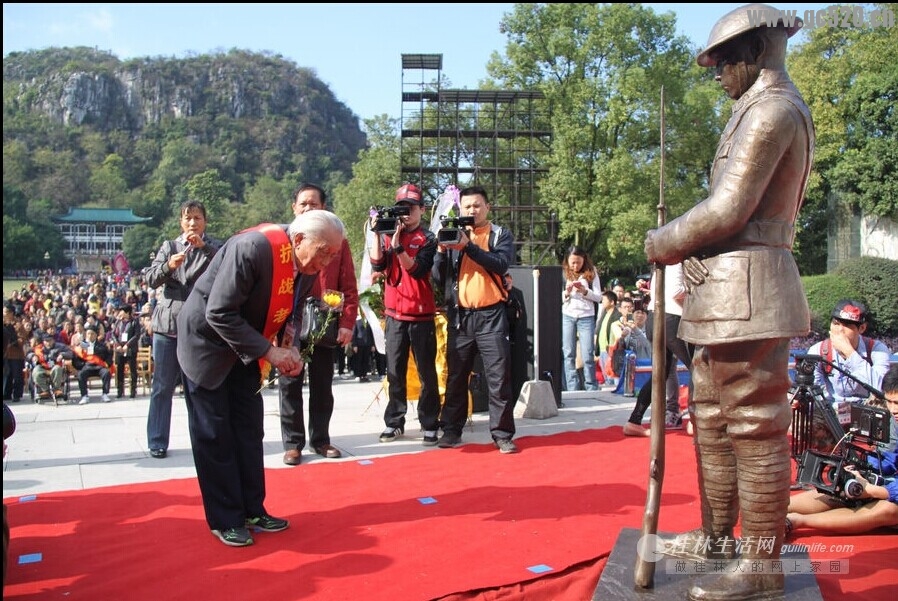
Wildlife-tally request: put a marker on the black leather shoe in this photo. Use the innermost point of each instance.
(329, 451)
(158, 453)
(292, 457)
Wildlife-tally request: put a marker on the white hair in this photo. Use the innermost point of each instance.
(316, 224)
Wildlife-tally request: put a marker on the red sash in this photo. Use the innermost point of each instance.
(280, 305)
(39, 353)
(91, 358)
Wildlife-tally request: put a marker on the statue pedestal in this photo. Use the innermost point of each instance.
(617, 580)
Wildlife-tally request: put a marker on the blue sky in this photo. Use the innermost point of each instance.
(355, 49)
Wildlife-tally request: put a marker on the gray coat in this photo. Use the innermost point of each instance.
(173, 287)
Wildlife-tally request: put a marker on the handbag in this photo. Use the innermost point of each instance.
(320, 324)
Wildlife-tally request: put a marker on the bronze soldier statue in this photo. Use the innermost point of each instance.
(745, 302)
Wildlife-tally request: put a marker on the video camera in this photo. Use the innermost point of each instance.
(826, 472)
(450, 232)
(387, 217)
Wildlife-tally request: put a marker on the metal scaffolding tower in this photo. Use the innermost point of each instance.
(497, 139)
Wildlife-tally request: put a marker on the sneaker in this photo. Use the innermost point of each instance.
(449, 440)
(105, 398)
(84, 400)
(234, 537)
(673, 421)
(506, 445)
(430, 438)
(267, 523)
(391, 434)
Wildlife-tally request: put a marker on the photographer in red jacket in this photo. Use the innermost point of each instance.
(405, 255)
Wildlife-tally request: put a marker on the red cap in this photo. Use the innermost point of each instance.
(850, 310)
(409, 193)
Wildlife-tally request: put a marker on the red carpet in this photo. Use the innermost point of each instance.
(455, 525)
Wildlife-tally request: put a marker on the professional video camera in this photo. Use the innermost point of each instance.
(388, 216)
(450, 233)
(868, 431)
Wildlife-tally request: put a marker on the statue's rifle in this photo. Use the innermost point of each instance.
(644, 572)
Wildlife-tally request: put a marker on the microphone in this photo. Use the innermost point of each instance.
(810, 358)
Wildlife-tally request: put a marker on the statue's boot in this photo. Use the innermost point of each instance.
(718, 492)
(763, 475)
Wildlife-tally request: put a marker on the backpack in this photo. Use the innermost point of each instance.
(514, 303)
(826, 351)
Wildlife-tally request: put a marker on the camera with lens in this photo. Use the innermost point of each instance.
(450, 232)
(869, 429)
(387, 217)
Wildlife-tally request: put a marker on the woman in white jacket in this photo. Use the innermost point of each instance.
(580, 298)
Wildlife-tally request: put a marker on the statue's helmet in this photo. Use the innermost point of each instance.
(738, 21)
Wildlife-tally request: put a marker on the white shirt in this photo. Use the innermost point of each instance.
(582, 304)
(674, 289)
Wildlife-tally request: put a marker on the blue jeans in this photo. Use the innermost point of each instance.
(572, 329)
(166, 375)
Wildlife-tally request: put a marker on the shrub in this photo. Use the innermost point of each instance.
(876, 283)
(823, 292)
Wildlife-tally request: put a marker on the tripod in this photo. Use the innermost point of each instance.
(807, 401)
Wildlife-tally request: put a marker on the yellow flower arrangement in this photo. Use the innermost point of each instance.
(334, 301)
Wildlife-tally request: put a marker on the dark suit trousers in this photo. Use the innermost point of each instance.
(420, 337)
(226, 434)
(321, 402)
(484, 332)
(120, 362)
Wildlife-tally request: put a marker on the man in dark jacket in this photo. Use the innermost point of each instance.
(472, 275)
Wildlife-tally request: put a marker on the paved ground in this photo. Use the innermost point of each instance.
(72, 447)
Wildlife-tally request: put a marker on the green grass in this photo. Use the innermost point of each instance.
(10, 285)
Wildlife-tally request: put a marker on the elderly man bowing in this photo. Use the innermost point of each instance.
(226, 331)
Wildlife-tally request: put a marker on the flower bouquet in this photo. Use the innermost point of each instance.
(320, 323)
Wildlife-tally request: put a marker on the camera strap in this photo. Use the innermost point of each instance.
(826, 350)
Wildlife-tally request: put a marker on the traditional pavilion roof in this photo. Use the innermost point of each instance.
(82, 215)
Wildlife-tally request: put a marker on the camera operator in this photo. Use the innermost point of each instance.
(406, 258)
(875, 507)
(850, 351)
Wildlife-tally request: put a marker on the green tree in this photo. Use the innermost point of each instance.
(267, 201)
(848, 78)
(215, 194)
(373, 181)
(139, 243)
(20, 244)
(108, 186)
(601, 68)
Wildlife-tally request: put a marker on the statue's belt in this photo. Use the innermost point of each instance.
(773, 234)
